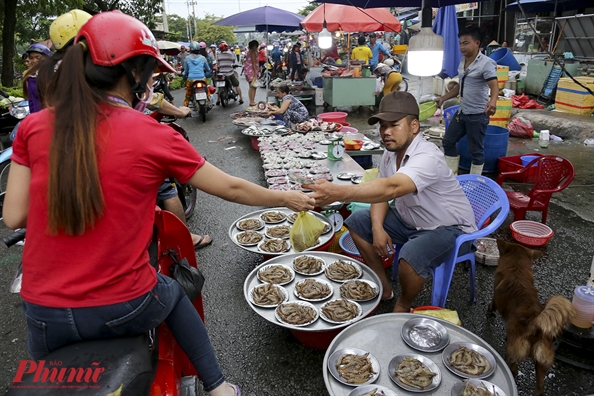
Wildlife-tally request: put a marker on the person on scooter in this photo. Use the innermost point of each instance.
(390, 78)
(85, 205)
(195, 67)
(225, 62)
(62, 32)
(211, 62)
(37, 52)
(277, 58)
(262, 59)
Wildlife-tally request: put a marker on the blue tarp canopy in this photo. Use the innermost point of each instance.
(534, 6)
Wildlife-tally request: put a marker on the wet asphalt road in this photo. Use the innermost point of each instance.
(264, 359)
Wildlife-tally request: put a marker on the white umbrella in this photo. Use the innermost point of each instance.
(167, 45)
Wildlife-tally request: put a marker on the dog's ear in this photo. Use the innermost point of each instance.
(535, 254)
(502, 246)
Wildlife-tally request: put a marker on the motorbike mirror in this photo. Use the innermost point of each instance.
(3, 93)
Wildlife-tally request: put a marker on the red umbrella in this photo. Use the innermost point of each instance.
(350, 19)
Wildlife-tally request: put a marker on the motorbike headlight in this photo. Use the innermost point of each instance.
(19, 112)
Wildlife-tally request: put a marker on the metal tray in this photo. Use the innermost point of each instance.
(353, 351)
(426, 361)
(418, 324)
(477, 348)
(361, 390)
(459, 387)
(380, 336)
(320, 325)
(233, 230)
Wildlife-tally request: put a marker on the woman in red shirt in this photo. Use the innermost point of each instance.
(86, 270)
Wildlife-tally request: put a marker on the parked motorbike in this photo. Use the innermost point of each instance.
(186, 192)
(9, 119)
(201, 98)
(265, 74)
(161, 83)
(151, 363)
(225, 89)
(279, 70)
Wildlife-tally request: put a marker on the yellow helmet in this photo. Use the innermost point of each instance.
(66, 26)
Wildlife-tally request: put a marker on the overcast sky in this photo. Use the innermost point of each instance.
(229, 7)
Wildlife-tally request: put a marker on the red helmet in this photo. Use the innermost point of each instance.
(113, 37)
(223, 47)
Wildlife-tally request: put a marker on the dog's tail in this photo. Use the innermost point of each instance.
(556, 314)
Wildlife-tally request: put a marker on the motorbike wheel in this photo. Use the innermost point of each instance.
(203, 112)
(187, 195)
(224, 96)
(4, 169)
(403, 87)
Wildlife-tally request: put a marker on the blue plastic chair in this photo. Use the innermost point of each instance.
(486, 197)
(449, 113)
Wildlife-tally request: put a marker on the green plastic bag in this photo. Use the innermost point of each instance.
(306, 231)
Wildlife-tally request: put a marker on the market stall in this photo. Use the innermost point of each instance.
(349, 87)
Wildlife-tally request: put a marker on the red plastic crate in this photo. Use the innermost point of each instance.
(514, 163)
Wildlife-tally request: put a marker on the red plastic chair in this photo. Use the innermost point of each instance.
(553, 174)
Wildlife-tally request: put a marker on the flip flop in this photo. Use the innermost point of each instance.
(389, 298)
(237, 390)
(199, 245)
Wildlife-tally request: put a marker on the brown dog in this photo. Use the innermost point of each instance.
(530, 326)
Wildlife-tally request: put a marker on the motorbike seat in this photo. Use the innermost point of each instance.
(124, 366)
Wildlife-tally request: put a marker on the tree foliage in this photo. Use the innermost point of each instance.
(308, 8)
(211, 33)
(177, 28)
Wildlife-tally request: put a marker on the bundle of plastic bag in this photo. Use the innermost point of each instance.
(305, 231)
(520, 127)
(524, 102)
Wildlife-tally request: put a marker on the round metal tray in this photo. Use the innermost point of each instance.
(380, 336)
(477, 348)
(420, 324)
(375, 366)
(233, 230)
(320, 325)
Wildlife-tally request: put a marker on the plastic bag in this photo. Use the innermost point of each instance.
(445, 314)
(524, 102)
(190, 278)
(370, 175)
(520, 127)
(305, 231)
(255, 83)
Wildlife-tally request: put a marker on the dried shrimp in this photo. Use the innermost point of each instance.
(273, 217)
(268, 294)
(327, 228)
(342, 270)
(274, 246)
(358, 290)
(281, 231)
(275, 274)
(413, 372)
(311, 289)
(249, 224)
(471, 390)
(249, 237)
(308, 264)
(469, 362)
(355, 369)
(374, 392)
(340, 310)
(296, 314)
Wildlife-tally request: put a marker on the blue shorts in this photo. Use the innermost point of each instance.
(167, 190)
(424, 250)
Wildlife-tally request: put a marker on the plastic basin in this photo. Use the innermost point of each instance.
(504, 57)
(334, 116)
(348, 129)
(353, 146)
(526, 159)
(531, 233)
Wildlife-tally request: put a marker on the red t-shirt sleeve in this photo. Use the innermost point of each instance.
(20, 153)
(182, 160)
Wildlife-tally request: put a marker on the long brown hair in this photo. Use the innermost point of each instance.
(75, 197)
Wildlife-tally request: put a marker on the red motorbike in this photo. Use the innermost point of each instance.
(146, 364)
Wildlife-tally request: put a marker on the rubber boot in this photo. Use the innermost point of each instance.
(453, 163)
(476, 169)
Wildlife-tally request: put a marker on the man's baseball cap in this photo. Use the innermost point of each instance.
(372, 35)
(394, 106)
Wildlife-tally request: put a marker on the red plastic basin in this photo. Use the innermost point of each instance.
(334, 116)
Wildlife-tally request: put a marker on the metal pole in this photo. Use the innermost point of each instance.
(165, 25)
(194, 14)
(188, 24)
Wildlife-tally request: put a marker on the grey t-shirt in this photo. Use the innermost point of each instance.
(439, 199)
(474, 91)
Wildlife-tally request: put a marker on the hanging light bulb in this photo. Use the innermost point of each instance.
(425, 50)
(269, 47)
(325, 37)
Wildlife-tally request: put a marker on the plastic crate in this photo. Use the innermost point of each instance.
(514, 163)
